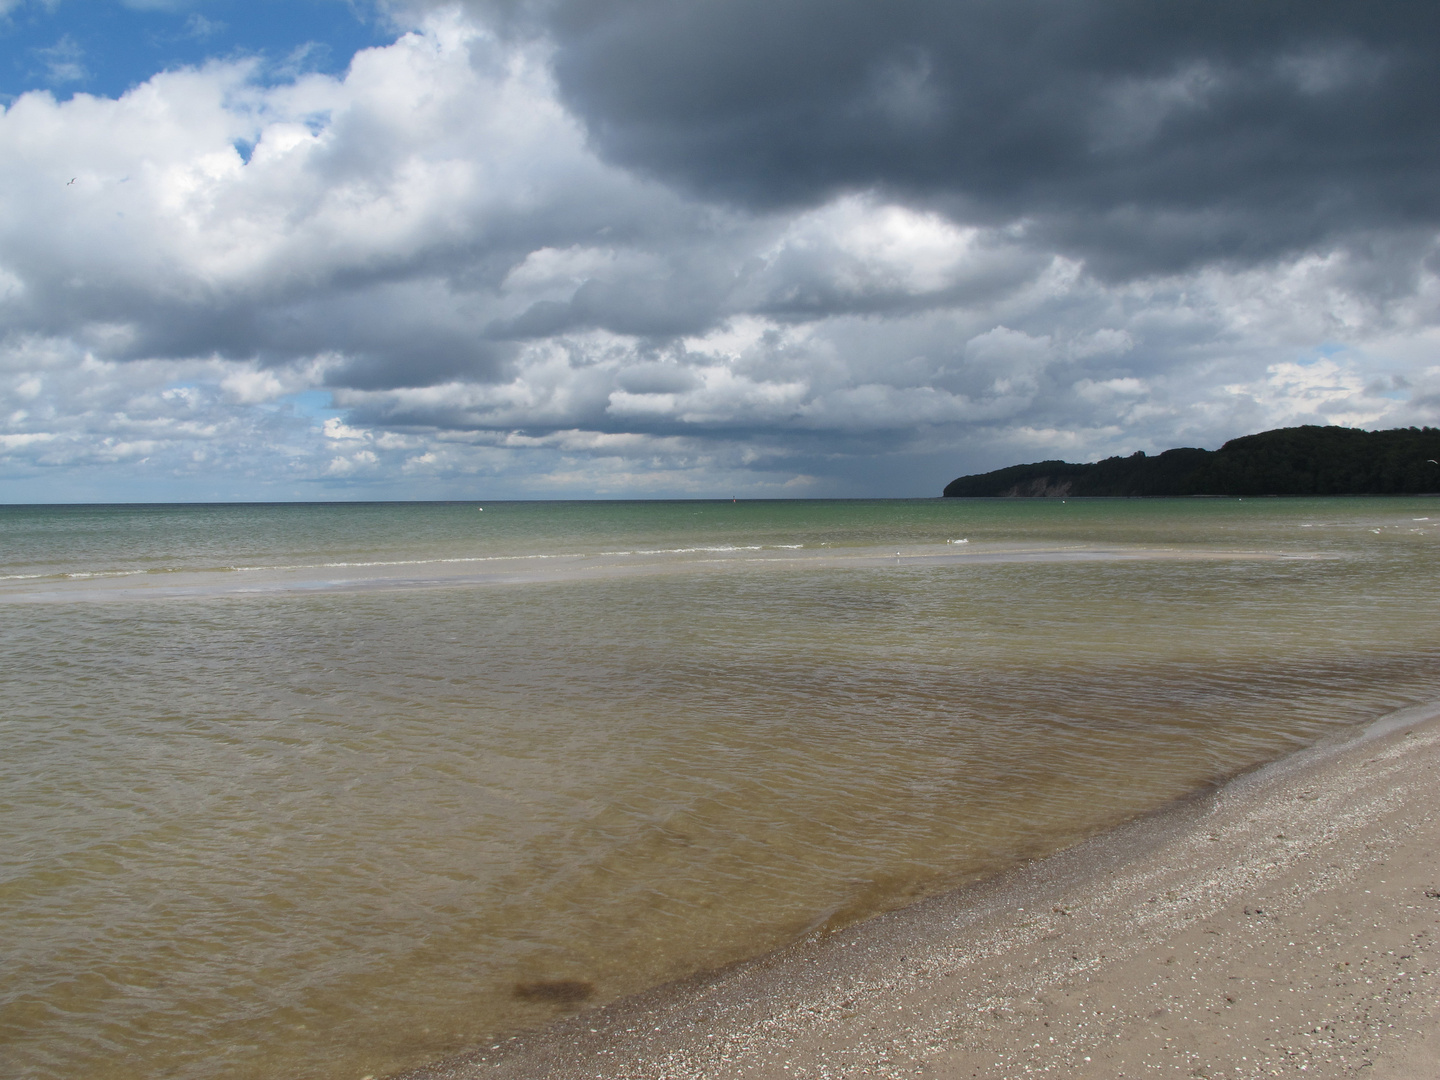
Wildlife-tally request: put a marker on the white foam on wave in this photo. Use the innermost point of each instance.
(718, 550)
(423, 562)
(75, 575)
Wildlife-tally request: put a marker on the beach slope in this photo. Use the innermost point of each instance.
(1285, 924)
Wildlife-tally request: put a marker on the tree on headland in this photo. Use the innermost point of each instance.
(1309, 460)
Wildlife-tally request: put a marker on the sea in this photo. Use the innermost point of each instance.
(334, 790)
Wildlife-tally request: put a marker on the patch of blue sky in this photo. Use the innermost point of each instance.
(105, 47)
(313, 404)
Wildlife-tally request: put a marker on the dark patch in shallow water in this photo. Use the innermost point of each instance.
(555, 991)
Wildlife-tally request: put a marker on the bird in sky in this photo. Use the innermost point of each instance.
(72, 180)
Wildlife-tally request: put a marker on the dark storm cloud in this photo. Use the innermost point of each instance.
(389, 334)
(1146, 136)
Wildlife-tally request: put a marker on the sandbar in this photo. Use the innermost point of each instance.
(507, 570)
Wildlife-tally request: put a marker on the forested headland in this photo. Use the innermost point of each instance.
(1309, 460)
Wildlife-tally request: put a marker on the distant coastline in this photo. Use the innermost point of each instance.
(1309, 460)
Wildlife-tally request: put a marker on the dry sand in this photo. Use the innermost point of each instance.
(1285, 924)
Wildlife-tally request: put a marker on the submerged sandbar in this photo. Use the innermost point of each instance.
(492, 570)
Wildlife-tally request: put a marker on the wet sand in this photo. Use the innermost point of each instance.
(1285, 924)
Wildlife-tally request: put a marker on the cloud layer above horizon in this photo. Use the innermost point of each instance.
(630, 247)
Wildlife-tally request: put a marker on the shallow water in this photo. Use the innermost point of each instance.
(329, 791)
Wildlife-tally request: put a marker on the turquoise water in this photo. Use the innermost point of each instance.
(327, 790)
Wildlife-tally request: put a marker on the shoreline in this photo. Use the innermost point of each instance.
(1286, 922)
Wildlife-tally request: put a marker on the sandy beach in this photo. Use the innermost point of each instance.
(1287, 923)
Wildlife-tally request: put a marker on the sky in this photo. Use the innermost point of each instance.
(382, 249)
